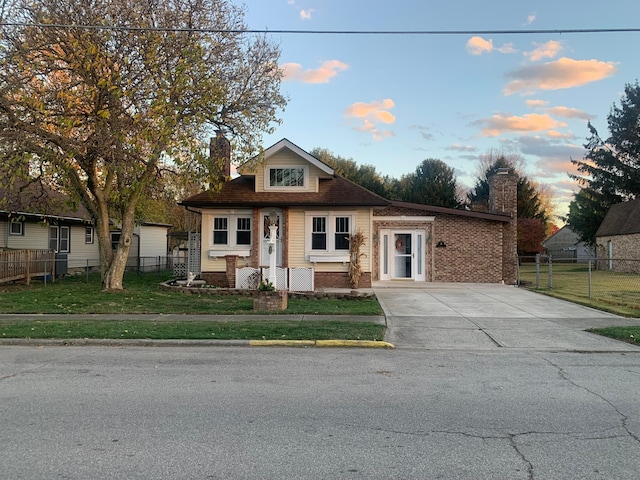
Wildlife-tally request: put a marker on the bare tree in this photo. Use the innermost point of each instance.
(100, 94)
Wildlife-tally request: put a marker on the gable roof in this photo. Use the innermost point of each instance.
(285, 143)
(621, 219)
(336, 191)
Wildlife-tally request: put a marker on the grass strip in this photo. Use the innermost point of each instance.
(142, 294)
(191, 330)
(626, 334)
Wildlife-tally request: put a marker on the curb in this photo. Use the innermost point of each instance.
(88, 342)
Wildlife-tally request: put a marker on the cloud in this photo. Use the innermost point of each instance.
(425, 133)
(563, 73)
(566, 112)
(532, 122)
(293, 72)
(545, 50)
(371, 115)
(531, 18)
(461, 148)
(536, 103)
(478, 46)
(306, 14)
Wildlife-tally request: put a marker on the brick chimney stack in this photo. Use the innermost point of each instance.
(503, 199)
(220, 156)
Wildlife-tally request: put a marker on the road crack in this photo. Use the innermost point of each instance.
(624, 418)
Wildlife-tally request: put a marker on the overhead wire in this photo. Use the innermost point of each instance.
(558, 31)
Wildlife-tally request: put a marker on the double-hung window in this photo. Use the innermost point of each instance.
(328, 233)
(88, 235)
(232, 230)
(59, 239)
(220, 231)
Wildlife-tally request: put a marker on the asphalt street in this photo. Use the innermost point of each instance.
(488, 408)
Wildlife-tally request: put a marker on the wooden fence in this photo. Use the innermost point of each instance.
(26, 264)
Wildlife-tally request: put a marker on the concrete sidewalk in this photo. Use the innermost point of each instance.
(491, 317)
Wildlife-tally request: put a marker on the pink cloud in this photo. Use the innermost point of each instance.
(563, 73)
(545, 50)
(478, 46)
(566, 112)
(371, 115)
(533, 122)
(293, 72)
(306, 14)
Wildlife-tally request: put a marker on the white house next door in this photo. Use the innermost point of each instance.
(402, 255)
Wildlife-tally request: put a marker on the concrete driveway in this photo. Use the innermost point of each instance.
(491, 317)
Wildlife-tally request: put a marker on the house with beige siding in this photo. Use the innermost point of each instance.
(69, 231)
(316, 211)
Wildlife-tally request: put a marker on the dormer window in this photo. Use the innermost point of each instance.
(286, 178)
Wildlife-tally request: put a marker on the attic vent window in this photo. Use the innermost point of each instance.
(287, 177)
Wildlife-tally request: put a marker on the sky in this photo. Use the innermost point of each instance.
(392, 101)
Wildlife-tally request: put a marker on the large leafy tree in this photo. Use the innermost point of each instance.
(610, 169)
(97, 96)
(433, 183)
(364, 175)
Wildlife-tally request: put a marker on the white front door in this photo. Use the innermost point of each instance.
(264, 237)
(402, 255)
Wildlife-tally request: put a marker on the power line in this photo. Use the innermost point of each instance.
(558, 31)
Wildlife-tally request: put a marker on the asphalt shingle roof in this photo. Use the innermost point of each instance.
(621, 219)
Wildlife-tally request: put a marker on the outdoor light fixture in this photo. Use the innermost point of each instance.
(441, 244)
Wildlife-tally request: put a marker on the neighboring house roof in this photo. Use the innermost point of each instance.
(42, 204)
(500, 217)
(562, 237)
(335, 191)
(621, 219)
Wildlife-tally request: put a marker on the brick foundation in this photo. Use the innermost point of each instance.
(339, 280)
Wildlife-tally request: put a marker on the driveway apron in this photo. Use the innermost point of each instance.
(491, 317)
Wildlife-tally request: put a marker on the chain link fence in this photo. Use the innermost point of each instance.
(611, 281)
(48, 269)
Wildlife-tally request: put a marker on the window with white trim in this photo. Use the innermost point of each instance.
(59, 239)
(16, 228)
(232, 230)
(88, 234)
(286, 177)
(329, 233)
(243, 231)
(220, 231)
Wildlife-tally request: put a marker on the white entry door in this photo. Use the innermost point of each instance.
(264, 237)
(402, 255)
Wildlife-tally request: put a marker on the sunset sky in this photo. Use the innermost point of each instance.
(394, 100)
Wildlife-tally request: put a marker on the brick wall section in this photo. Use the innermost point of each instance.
(219, 279)
(232, 264)
(474, 250)
(398, 225)
(503, 198)
(339, 280)
(624, 247)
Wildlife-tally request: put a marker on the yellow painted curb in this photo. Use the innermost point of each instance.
(321, 343)
(354, 343)
(282, 343)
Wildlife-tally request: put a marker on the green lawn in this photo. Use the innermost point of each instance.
(609, 291)
(143, 294)
(626, 334)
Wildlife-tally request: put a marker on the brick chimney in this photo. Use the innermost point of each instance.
(503, 199)
(220, 156)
